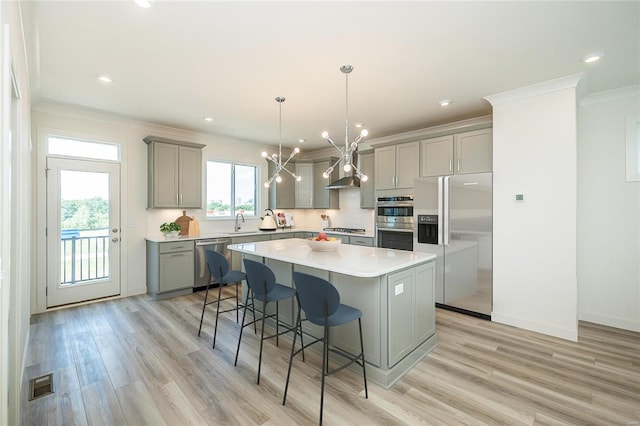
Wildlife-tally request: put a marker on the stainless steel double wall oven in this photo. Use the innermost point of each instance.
(394, 222)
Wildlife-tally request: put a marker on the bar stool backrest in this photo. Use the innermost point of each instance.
(318, 297)
(218, 265)
(260, 278)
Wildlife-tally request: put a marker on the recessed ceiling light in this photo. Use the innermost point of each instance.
(445, 102)
(105, 79)
(143, 3)
(593, 57)
(209, 119)
(359, 125)
(302, 140)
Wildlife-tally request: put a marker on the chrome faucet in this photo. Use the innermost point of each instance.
(239, 214)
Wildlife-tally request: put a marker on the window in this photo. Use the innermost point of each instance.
(230, 188)
(84, 149)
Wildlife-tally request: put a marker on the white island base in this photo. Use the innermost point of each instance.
(394, 289)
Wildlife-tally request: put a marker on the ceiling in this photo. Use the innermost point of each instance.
(178, 62)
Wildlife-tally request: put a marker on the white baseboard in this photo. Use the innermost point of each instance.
(539, 327)
(135, 291)
(609, 321)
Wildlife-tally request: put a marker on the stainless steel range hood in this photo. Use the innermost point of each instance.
(346, 182)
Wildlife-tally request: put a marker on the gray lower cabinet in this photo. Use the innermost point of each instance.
(363, 293)
(236, 258)
(280, 236)
(361, 241)
(345, 238)
(170, 267)
(411, 296)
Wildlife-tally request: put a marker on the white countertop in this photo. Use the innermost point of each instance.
(161, 239)
(357, 261)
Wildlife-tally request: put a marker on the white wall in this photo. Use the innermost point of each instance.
(15, 210)
(137, 222)
(608, 213)
(534, 251)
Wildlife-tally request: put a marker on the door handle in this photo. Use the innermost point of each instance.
(114, 230)
(115, 239)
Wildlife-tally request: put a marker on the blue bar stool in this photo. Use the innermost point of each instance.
(220, 274)
(320, 301)
(263, 287)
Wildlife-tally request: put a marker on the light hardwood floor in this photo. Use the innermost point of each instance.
(137, 361)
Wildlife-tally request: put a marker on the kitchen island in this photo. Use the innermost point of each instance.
(394, 289)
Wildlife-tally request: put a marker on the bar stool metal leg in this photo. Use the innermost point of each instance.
(204, 305)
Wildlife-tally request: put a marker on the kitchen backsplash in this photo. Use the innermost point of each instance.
(350, 215)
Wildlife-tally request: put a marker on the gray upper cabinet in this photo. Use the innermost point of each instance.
(436, 156)
(325, 198)
(175, 173)
(282, 195)
(304, 188)
(367, 189)
(461, 153)
(396, 166)
(473, 151)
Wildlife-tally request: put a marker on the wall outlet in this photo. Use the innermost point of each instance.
(399, 289)
(518, 198)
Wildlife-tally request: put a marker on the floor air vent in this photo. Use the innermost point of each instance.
(40, 386)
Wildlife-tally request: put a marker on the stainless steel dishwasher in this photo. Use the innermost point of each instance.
(215, 244)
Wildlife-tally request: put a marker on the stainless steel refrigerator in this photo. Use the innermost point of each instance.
(453, 219)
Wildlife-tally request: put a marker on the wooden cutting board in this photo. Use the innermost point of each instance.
(184, 222)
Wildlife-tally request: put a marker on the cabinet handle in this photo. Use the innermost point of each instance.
(177, 202)
(458, 164)
(450, 164)
(180, 198)
(177, 255)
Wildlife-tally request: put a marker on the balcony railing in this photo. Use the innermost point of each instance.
(84, 255)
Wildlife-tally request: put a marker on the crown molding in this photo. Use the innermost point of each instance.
(545, 87)
(611, 95)
(482, 122)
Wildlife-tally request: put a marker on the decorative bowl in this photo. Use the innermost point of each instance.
(323, 245)
(172, 234)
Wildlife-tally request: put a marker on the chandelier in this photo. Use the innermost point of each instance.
(277, 159)
(346, 154)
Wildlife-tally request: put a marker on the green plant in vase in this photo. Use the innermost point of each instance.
(170, 229)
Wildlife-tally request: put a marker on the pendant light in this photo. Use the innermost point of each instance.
(346, 154)
(277, 159)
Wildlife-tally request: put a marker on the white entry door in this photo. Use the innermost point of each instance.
(83, 230)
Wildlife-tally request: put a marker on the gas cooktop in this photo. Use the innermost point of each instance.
(347, 230)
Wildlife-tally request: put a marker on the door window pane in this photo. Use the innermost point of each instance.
(83, 149)
(84, 226)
